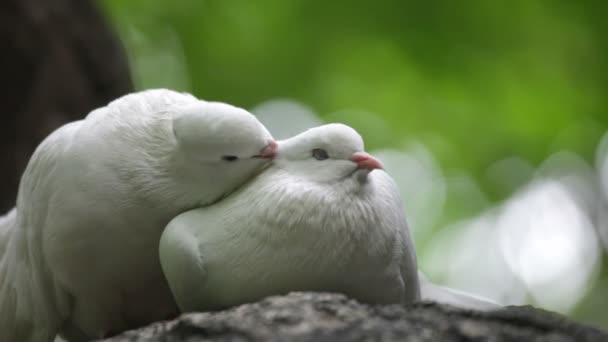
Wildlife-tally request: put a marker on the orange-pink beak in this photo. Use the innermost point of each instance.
(268, 152)
(366, 161)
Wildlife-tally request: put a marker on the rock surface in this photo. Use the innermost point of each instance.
(333, 317)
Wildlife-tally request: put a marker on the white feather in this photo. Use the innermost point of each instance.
(80, 255)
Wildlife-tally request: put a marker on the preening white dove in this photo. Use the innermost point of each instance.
(80, 254)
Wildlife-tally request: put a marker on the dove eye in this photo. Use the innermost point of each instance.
(230, 158)
(320, 154)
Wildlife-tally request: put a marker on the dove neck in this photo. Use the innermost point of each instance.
(311, 203)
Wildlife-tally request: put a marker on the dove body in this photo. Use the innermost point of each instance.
(323, 217)
(83, 255)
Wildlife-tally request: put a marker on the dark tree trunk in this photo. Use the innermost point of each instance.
(59, 60)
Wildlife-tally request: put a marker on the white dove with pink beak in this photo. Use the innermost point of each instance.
(79, 255)
(324, 216)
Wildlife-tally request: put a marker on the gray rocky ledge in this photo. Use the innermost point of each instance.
(334, 317)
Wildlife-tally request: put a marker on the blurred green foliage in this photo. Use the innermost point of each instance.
(476, 81)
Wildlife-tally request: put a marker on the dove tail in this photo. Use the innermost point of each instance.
(23, 301)
(446, 295)
(29, 298)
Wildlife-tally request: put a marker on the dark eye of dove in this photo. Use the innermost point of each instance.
(320, 154)
(230, 158)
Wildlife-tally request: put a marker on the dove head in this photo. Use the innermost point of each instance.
(221, 134)
(218, 147)
(327, 153)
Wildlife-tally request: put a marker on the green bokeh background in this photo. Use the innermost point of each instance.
(475, 81)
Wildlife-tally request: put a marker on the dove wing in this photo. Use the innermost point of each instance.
(31, 304)
(181, 260)
(391, 209)
(408, 264)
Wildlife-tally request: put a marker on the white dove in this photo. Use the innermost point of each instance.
(323, 217)
(80, 256)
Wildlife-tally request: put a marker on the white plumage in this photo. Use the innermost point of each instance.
(305, 223)
(80, 253)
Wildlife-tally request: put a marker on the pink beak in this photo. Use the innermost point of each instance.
(366, 161)
(268, 152)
